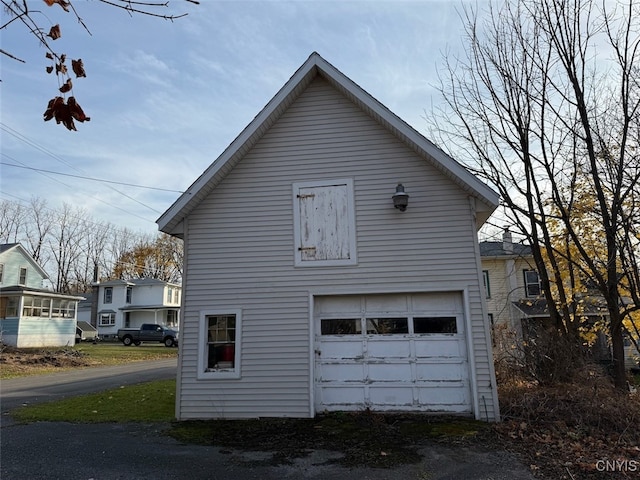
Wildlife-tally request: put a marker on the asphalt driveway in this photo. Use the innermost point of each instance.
(51, 451)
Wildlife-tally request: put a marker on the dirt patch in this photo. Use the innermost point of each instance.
(363, 438)
(24, 361)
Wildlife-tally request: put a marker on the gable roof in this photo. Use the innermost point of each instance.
(7, 247)
(171, 220)
(497, 249)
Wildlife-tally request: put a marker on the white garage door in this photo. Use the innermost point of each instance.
(391, 352)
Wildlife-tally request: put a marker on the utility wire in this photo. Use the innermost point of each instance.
(33, 144)
(85, 178)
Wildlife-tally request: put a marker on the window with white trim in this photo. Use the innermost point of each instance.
(416, 325)
(172, 318)
(532, 283)
(107, 319)
(487, 285)
(23, 276)
(36, 307)
(324, 223)
(1, 271)
(108, 295)
(129, 294)
(220, 344)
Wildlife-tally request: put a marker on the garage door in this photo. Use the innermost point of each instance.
(391, 353)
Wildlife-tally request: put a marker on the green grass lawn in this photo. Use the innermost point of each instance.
(145, 402)
(37, 361)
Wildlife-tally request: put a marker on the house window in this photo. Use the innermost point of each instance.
(129, 294)
(8, 307)
(108, 294)
(1, 271)
(220, 345)
(172, 318)
(169, 295)
(36, 307)
(107, 319)
(63, 308)
(531, 283)
(23, 276)
(487, 285)
(324, 223)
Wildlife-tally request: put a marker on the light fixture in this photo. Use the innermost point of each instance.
(400, 198)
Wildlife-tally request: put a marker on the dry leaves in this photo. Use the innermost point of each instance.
(64, 4)
(569, 430)
(65, 113)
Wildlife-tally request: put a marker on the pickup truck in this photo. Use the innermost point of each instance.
(148, 332)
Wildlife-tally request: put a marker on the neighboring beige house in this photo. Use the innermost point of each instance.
(514, 296)
(509, 276)
(332, 263)
(130, 303)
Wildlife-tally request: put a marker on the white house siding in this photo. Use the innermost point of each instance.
(240, 253)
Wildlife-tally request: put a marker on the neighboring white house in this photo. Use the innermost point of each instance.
(130, 303)
(307, 291)
(31, 316)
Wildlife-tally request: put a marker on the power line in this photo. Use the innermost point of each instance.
(33, 144)
(86, 178)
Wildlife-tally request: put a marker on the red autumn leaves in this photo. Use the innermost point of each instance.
(64, 112)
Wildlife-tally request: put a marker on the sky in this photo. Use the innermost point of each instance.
(166, 98)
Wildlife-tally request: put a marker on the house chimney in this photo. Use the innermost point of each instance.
(95, 289)
(507, 241)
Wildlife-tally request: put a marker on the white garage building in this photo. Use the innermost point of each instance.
(309, 287)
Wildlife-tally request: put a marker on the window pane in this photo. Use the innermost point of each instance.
(435, 325)
(340, 326)
(221, 338)
(532, 283)
(384, 326)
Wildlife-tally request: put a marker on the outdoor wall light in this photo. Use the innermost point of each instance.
(400, 198)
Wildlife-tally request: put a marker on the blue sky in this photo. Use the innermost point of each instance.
(165, 99)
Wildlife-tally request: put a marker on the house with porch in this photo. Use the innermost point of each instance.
(31, 316)
(130, 303)
(332, 263)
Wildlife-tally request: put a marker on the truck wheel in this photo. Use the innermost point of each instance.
(127, 341)
(168, 342)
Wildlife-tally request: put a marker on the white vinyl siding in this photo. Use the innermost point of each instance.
(239, 244)
(324, 223)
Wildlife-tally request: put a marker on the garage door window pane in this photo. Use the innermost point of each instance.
(385, 326)
(340, 326)
(435, 325)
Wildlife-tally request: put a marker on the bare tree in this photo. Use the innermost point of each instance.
(37, 229)
(547, 98)
(12, 218)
